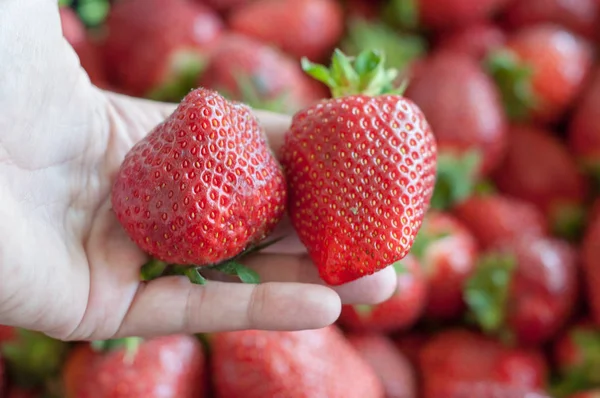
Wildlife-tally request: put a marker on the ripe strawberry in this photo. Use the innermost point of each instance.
(578, 16)
(457, 356)
(302, 28)
(260, 76)
(526, 291)
(156, 48)
(538, 168)
(496, 220)
(493, 390)
(540, 71)
(75, 33)
(202, 186)
(584, 130)
(448, 254)
(362, 9)
(360, 169)
(476, 40)
(224, 5)
(393, 368)
(443, 14)
(170, 366)
(310, 363)
(399, 312)
(452, 90)
(590, 257)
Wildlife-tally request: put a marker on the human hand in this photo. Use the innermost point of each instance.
(66, 266)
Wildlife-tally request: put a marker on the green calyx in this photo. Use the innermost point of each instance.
(487, 291)
(401, 49)
(182, 76)
(402, 13)
(568, 221)
(513, 79)
(456, 178)
(33, 358)
(92, 12)
(130, 345)
(364, 74)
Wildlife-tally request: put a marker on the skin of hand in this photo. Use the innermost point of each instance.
(66, 266)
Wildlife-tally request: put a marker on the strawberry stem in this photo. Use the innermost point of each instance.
(364, 74)
(194, 275)
(153, 269)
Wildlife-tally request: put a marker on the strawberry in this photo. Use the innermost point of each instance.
(493, 390)
(310, 363)
(447, 252)
(457, 356)
(224, 5)
(411, 343)
(302, 28)
(477, 40)
(590, 257)
(202, 186)
(525, 291)
(584, 131)
(75, 33)
(452, 90)
(548, 177)
(443, 14)
(578, 16)
(170, 366)
(360, 169)
(6, 333)
(540, 71)
(157, 48)
(260, 76)
(393, 368)
(400, 311)
(500, 219)
(362, 9)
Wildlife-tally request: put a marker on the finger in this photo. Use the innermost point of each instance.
(174, 305)
(370, 289)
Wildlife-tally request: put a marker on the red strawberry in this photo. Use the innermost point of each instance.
(156, 48)
(493, 390)
(499, 219)
(448, 254)
(75, 33)
(584, 130)
(360, 169)
(392, 367)
(457, 356)
(310, 363)
(224, 5)
(171, 366)
(587, 394)
(400, 311)
(411, 343)
(452, 90)
(538, 168)
(6, 333)
(202, 186)
(260, 76)
(590, 256)
(476, 40)
(302, 28)
(443, 14)
(579, 16)
(362, 9)
(526, 291)
(540, 71)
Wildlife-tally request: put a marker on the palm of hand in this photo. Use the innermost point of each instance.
(66, 267)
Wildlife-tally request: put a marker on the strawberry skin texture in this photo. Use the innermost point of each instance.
(361, 173)
(305, 364)
(447, 14)
(170, 366)
(145, 38)
(584, 129)
(202, 186)
(392, 367)
(548, 176)
(560, 63)
(457, 356)
(590, 256)
(578, 16)
(400, 311)
(476, 40)
(496, 220)
(452, 90)
(274, 73)
(302, 28)
(448, 260)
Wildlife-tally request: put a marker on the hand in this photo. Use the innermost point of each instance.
(66, 266)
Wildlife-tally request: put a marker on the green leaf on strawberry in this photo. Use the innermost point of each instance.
(568, 221)
(487, 291)
(93, 12)
(129, 344)
(456, 178)
(585, 374)
(513, 79)
(402, 13)
(153, 269)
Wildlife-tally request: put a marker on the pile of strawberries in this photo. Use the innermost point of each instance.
(457, 140)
